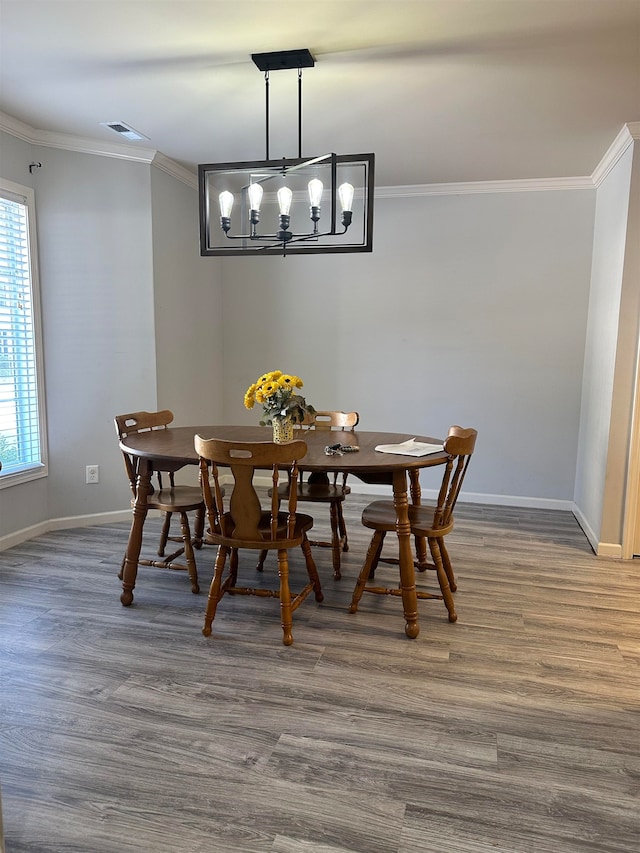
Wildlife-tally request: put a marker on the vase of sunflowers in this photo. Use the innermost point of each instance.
(282, 405)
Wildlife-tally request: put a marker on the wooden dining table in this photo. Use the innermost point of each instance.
(176, 445)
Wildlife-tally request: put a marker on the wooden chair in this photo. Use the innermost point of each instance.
(168, 500)
(320, 488)
(243, 524)
(430, 523)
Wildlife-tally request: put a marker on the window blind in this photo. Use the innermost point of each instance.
(20, 421)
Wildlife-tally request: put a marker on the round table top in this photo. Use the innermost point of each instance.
(177, 444)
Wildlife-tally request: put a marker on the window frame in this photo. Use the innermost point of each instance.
(34, 471)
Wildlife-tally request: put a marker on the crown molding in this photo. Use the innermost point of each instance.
(91, 146)
(471, 187)
(67, 142)
(175, 170)
(15, 127)
(628, 134)
(634, 129)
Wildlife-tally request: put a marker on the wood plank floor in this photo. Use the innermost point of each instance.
(515, 730)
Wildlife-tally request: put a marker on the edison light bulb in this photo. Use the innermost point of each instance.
(285, 197)
(226, 203)
(345, 193)
(315, 192)
(255, 196)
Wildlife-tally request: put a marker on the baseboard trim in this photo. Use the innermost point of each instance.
(358, 488)
(93, 518)
(609, 549)
(65, 523)
(20, 536)
(526, 502)
(586, 528)
(600, 549)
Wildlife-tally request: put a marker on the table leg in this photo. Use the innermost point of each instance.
(407, 574)
(135, 535)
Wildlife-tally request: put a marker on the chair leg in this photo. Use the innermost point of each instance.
(448, 567)
(188, 552)
(261, 559)
(378, 552)
(164, 535)
(312, 570)
(285, 596)
(422, 563)
(443, 580)
(366, 572)
(335, 540)
(233, 567)
(214, 590)
(198, 528)
(343, 529)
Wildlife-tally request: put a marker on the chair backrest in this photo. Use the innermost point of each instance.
(459, 444)
(330, 420)
(239, 520)
(327, 420)
(140, 422)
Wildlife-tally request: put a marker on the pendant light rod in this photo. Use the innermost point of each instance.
(300, 113)
(278, 61)
(266, 112)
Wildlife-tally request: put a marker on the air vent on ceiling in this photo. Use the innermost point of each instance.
(123, 129)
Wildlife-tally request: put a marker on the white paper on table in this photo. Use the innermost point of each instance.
(411, 448)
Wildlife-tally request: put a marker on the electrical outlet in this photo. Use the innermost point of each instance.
(93, 473)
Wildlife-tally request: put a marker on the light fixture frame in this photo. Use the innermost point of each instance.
(295, 242)
(302, 243)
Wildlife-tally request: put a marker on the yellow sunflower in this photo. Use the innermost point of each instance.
(250, 397)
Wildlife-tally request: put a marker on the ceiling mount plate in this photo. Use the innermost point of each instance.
(280, 60)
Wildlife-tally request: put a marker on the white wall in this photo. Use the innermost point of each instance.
(471, 310)
(188, 307)
(609, 241)
(94, 219)
(114, 239)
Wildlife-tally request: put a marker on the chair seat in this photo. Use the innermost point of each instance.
(320, 492)
(302, 525)
(381, 515)
(176, 499)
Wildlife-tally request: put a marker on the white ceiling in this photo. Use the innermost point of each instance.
(440, 90)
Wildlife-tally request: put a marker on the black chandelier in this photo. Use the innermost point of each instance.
(288, 193)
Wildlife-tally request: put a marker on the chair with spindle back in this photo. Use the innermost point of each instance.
(320, 488)
(241, 523)
(430, 523)
(167, 499)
